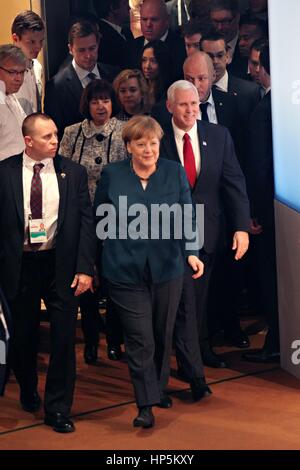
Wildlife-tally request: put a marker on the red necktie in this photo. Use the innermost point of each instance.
(36, 193)
(189, 160)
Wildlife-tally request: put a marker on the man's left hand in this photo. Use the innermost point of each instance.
(82, 282)
(240, 244)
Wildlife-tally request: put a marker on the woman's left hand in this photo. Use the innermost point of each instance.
(196, 265)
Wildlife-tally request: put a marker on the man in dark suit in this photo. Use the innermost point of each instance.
(219, 181)
(5, 332)
(113, 15)
(260, 183)
(64, 90)
(216, 106)
(155, 27)
(47, 252)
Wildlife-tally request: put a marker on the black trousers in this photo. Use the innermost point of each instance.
(186, 338)
(90, 317)
(38, 282)
(147, 314)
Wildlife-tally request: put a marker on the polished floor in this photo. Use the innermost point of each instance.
(252, 407)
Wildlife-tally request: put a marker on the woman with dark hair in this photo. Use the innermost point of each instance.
(93, 143)
(132, 94)
(155, 65)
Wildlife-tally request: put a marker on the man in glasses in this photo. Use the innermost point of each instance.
(225, 17)
(12, 70)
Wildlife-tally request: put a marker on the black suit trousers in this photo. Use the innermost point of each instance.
(186, 338)
(38, 282)
(147, 313)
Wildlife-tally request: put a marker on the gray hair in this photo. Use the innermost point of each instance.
(9, 51)
(180, 85)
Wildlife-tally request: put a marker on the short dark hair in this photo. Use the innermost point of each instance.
(213, 36)
(194, 27)
(260, 24)
(29, 121)
(96, 89)
(82, 29)
(27, 20)
(103, 7)
(230, 5)
(264, 58)
(258, 44)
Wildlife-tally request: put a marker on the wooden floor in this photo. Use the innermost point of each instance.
(252, 407)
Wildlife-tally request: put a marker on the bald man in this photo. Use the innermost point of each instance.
(47, 252)
(155, 26)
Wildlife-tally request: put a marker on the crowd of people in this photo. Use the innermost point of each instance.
(179, 117)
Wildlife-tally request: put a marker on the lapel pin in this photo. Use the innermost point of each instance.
(204, 143)
(221, 104)
(63, 175)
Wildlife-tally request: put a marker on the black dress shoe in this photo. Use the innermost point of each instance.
(114, 353)
(30, 403)
(238, 339)
(262, 355)
(59, 422)
(165, 402)
(90, 354)
(199, 388)
(145, 418)
(211, 359)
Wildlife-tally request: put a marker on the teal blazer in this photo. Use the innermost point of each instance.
(124, 260)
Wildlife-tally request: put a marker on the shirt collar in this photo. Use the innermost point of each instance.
(222, 84)
(82, 74)
(179, 133)
(163, 38)
(29, 162)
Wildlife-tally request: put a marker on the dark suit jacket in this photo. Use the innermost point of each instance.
(239, 65)
(75, 238)
(221, 182)
(260, 171)
(63, 93)
(247, 93)
(124, 260)
(113, 48)
(4, 367)
(175, 46)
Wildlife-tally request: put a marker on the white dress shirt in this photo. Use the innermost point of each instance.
(222, 84)
(83, 74)
(193, 134)
(211, 110)
(29, 95)
(2, 320)
(50, 199)
(11, 119)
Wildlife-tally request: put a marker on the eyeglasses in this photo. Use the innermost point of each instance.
(14, 73)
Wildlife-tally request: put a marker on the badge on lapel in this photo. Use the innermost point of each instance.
(204, 143)
(63, 175)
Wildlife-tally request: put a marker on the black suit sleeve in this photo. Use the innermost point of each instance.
(234, 188)
(87, 241)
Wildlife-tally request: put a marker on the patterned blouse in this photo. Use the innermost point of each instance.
(94, 147)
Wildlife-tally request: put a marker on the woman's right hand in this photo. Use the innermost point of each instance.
(196, 266)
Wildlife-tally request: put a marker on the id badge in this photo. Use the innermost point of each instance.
(37, 231)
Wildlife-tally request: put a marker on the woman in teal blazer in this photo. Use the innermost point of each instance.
(144, 255)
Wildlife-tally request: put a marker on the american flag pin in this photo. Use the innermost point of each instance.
(204, 143)
(63, 175)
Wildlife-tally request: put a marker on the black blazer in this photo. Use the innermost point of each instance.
(260, 171)
(113, 48)
(75, 238)
(4, 344)
(247, 93)
(221, 183)
(63, 93)
(124, 260)
(239, 65)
